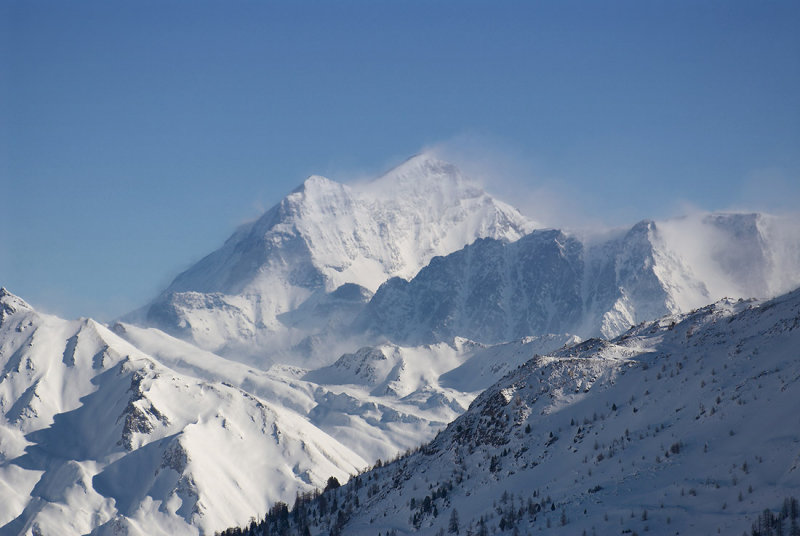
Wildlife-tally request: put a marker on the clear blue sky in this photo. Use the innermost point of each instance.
(134, 136)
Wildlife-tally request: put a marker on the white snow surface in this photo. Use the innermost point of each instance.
(97, 436)
(318, 238)
(686, 425)
(354, 322)
(128, 430)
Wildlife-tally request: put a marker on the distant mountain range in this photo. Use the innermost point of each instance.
(354, 322)
(552, 282)
(420, 255)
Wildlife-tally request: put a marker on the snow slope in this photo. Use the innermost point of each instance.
(386, 399)
(550, 282)
(129, 430)
(686, 425)
(350, 323)
(320, 237)
(96, 435)
(489, 291)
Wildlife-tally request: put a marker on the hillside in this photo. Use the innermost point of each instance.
(686, 425)
(96, 435)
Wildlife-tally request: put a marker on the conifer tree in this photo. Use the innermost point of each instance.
(452, 526)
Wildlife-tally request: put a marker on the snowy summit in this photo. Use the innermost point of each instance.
(536, 379)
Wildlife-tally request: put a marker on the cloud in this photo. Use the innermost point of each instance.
(588, 205)
(517, 177)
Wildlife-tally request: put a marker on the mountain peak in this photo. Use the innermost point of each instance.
(316, 182)
(422, 175)
(643, 227)
(10, 298)
(326, 234)
(10, 304)
(320, 194)
(428, 162)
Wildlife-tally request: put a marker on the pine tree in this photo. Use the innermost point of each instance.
(452, 526)
(794, 513)
(332, 483)
(482, 530)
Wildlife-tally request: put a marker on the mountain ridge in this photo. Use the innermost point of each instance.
(319, 237)
(352, 322)
(124, 424)
(274, 282)
(663, 428)
(552, 282)
(85, 417)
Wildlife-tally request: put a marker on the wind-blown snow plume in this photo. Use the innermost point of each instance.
(552, 282)
(320, 237)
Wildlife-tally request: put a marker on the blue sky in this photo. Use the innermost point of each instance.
(135, 136)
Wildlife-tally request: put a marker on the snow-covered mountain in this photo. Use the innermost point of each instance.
(142, 433)
(354, 322)
(385, 399)
(447, 260)
(492, 290)
(96, 435)
(244, 296)
(686, 425)
(550, 282)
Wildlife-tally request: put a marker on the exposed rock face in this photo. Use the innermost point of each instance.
(255, 290)
(549, 282)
